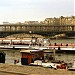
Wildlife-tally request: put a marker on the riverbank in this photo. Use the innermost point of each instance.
(33, 70)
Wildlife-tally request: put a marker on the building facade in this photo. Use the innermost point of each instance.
(60, 21)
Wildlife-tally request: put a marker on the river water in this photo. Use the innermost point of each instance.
(64, 41)
(11, 55)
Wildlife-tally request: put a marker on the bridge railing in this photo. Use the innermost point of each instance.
(39, 28)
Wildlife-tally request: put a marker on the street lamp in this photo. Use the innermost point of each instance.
(30, 33)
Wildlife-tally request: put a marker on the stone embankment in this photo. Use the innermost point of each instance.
(32, 70)
(23, 35)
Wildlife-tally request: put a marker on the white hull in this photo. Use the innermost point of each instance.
(70, 49)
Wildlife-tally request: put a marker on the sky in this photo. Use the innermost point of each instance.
(34, 10)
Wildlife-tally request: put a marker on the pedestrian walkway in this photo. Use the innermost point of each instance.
(9, 69)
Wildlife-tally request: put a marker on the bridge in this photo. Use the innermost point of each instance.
(6, 30)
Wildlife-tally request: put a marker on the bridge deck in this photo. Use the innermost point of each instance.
(36, 29)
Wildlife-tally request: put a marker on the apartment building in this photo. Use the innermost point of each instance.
(60, 21)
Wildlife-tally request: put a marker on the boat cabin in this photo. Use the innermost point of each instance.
(29, 56)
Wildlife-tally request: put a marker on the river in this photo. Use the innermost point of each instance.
(11, 55)
(64, 41)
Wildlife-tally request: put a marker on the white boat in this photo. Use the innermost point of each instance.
(48, 65)
(65, 48)
(40, 47)
(68, 48)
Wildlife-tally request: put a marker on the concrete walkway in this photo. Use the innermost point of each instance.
(11, 69)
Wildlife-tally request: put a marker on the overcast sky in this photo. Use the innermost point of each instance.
(38, 10)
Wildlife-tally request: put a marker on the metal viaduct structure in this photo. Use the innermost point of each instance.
(6, 30)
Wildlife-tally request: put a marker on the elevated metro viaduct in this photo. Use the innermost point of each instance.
(10, 29)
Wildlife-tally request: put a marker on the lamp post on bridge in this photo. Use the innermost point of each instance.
(30, 32)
